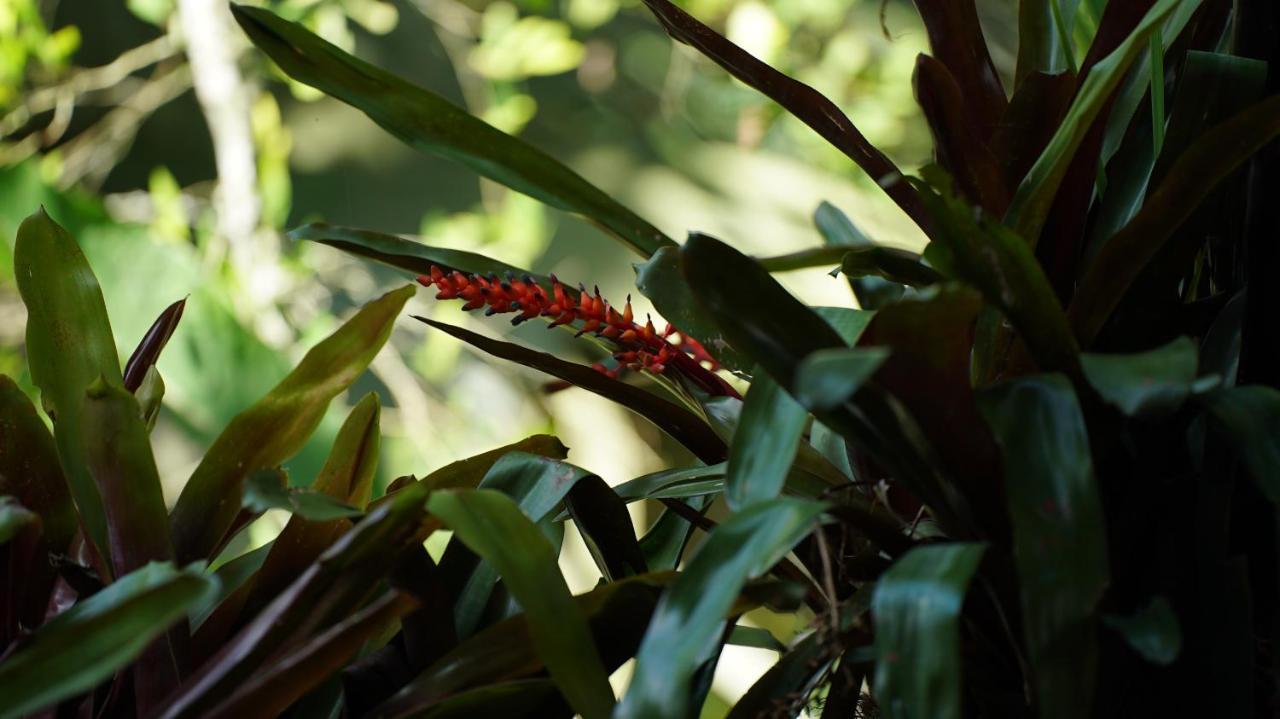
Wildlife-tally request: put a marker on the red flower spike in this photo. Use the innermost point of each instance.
(639, 347)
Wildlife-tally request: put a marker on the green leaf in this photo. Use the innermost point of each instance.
(14, 518)
(683, 426)
(409, 255)
(494, 527)
(838, 230)
(829, 378)
(687, 482)
(688, 622)
(1036, 192)
(756, 638)
(848, 323)
(661, 281)
(1248, 418)
(1152, 631)
(118, 453)
(1044, 32)
(1206, 163)
(431, 124)
(916, 606)
(263, 491)
(93, 640)
(1145, 384)
(601, 516)
(277, 426)
(890, 263)
(764, 444)
(997, 262)
(69, 345)
(664, 544)
(1059, 534)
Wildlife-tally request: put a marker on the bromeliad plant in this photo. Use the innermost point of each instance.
(1033, 475)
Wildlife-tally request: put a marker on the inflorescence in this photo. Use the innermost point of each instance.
(639, 346)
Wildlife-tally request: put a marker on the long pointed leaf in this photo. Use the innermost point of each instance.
(955, 35)
(764, 444)
(1059, 532)
(69, 345)
(687, 624)
(148, 350)
(276, 427)
(493, 526)
(433, 125)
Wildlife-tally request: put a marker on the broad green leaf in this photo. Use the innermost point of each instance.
(890, 263)
(689, 620)
(494, 527)
(1044, 37)
(1153, 631)
(230, 577)
(777, 331)
(664, 544)
(320, 513)
(118, 454)
(1248, 418)
(290, 677)
(848, 323)
(1036, 192)
(602, 518)
(1148, 383)
(1207, 162)
(331, 590)
(14, 518)
(764, 444)
(829, 378)
(405, 254)
(277, 426)
(97, 637)
(683, 426)
(537, 485)
(1059, 534)
(838, 230)
(435, 126)
(916, 606)
(69, 345)
(661, 281)
(31, 474)
(997, 262)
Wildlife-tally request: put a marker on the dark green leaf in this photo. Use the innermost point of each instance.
(661, 281)
(1059, 534)
(263, 491)
(683, 426)
(99, 636)
(689, 482)
(494, 527)
(1145, 384)
(1249, 418)
(1152, 631)
(812, 257)
(764, 444)
(409, 255)
(277, 426)
(916, 606)
(664, 544)
(1043, 45)
(14, 518)
(900, 266)
(1035, 194)
(230, 577)
(1003, 267)
(806, 104)
(69, 345)
(148, 350)
(838, 230)
(688, 622)
(602, 518)
(848, 323)
(431, 124)
(756, 638)
(829, 378)
(1198, 170)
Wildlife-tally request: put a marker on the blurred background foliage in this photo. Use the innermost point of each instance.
(177, 158)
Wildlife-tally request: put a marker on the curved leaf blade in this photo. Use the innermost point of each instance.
(1249, 418)
(689, 620)
(275, 427)
(827, 379)
(660, 280)
(916, 606)
(1059, 534)
(91, 641)
(402, 253)
(435, 126)
(494, 527)
(764, 444)
(69, 345)
(148, 350)
(1148, 383)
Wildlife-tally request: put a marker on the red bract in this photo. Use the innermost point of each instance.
(639, 346)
